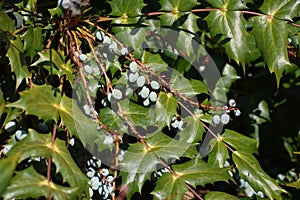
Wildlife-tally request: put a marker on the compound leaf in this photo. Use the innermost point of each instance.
(7, 168)
(218, 154)
(177, 5)
(250, 170)
(219, 195)
(6, 23)
(165, 108)
(33, 41)
(131, 8)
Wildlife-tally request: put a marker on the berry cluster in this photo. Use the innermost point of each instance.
(224, 117)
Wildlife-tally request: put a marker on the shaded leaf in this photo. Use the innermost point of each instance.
(33, 41)
(294, 184)
(218, 154)
(272, 42)
(262, 113)
(193, 131)
(16, 58)
(154, 61)
(6, 23)
(109, 118)
(185, 21)
(219, 195)
(250, 170)
(29, 184)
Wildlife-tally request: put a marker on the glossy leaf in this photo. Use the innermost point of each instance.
(41, 101)
(250, 170)
(177, 5)
(139, 162)
(228, 4)
(287, 9)
(294, 184)
(33, 41)
(231, 25)
(262, 113)
(218, 154)
(16, 58)
(130, 8)
(154, 61)
(194, 172)
(109, 118)
(41, 145)
(165, 108)
(7, 168)
(272, 42)
(193, 130)
(239, 141)
(219, 195)
(29, 184)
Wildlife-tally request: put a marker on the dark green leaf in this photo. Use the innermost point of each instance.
(110, 118)
(272, 42)
(193, 131)
(33, 41)
(219, 153)
(250, 170)
(262, 113)
(154, 61)
(287, 9)
(219, 195)
(231, 25)
(228, 4)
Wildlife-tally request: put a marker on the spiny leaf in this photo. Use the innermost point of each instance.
(40, 101)
(194, 172)
(272, 42)
(130, 8)
(250, 170)
(139, 162)
(285, 9)
(219, 195)
(165, 108)
(154, 61)
(6, 23)
(231, 25)
(109, 118)
(16, 58)
(33, 41)
(29, 184)
(177, 5)
(7, 168)
(294, 184)
(239, 141)
(41, 145)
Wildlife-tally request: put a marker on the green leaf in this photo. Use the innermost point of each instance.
(286, 10)
(33, 41)
(239, 141)
(219, 195)
(228, 4)
(130, 8)
(41, 101)
(41, 145)
(7, 168)
(194, 172)
(154, 61)
(6, 23)
(272, 42)
(177, 5)
(109, 118)
(16, 58)
(165, 108)
(250, 170)
(261, 114)
(294, 184)
(193, 131)
(132, 37)
(231, 25)
(139, 162)
(29, 184)
(218, 154)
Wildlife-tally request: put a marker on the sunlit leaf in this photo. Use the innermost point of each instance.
(219, 195)
(177, 5)
(7, 168)
(165, 108)
(131, 8)
(218, 154)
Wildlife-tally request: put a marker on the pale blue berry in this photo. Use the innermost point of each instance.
(153, 96)
(232, 103)
(133, 77)
(124, 51)
(141, 80)
(154, 85)
(225, 118)
(216, 119)
(133, 66)
(144, 93)
(237, 112)
(83, 57)
(117, 94)
(100, 35)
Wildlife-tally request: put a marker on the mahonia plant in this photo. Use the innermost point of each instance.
(111, 99)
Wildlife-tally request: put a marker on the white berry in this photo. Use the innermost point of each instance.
(216, 119)
(141, 81)
(153, 96)
(155, 85)
(133, 77)
(88, 69)
(124, 51)
(232, 103)
(225, 118)
(100, 35)
(133, 66)
(144, 92)
(20, 134)
(106, 40)
(237, 112)
(82, 57)
(10, 126)
(146, 102)
(113, 47)
(117, 94)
